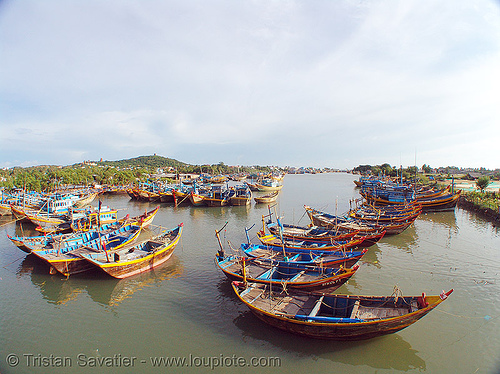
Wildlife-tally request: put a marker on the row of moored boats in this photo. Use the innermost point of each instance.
(78, 238)
(207, 193)
(289, 278)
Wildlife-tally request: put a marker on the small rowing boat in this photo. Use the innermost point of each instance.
(333, 316)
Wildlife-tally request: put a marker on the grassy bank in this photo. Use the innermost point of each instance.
(484, 204)
(483, 200)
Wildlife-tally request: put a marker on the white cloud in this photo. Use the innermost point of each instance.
(129, 78)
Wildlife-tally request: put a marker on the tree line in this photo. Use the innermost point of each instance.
(124, 172)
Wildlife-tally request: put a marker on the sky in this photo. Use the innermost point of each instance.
(257, 82)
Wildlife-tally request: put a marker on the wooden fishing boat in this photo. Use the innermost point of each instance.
(144, 219)
(219, 195)
(166, 196)
(5, 209)
(440, 203)
(330, 221)
(310, 258)
(370, 239)
(387, 213)
(267, 185)
(242, 195)
(322, 234)
(252, 186)
(61, 240)
(314, 233)
(429, 199)
(85, 199)
(18, 213)
(307, 245)
(137, 258)
(287, 275)
(336, 317)
(268, 198)
(181, 194)
(197, 199)
(94, 218)
(47, 223)
(68, 260)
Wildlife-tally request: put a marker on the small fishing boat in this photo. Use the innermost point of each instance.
(94, 218)
(330, 221)
(268, 198)
(196, 199)
(289, 275)
(137, 258)
(307, 245)
(269, 185)
(68, 260)
(219, 195)
(387, 213)
(166, 195)
(57, 241)
(311, 258)
(242, 195)
(445, 201)
(144, 219)
(85, 199)
(198, 194)
(314, 233)
(5, 209)
(332, 316)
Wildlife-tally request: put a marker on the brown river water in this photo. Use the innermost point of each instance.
(183, 316)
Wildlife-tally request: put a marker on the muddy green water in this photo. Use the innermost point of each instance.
(185, 310)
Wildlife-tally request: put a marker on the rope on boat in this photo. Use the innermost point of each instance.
(488, 318)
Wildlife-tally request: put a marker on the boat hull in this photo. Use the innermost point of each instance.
(335, 317)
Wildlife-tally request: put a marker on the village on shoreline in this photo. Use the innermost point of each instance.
(109, 175)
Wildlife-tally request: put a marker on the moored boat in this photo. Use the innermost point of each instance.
(309, 258)
(137, 258)
(68, 260)
(268, 198)
(333, 316)
(287, 275)
(307, 245)
(219, 195)
(242, 195)
(269, 185)
(330, 221)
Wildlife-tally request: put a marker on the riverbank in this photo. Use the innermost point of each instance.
(486, 213)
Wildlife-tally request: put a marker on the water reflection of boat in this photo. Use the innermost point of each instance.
(388, 352)
(54, 289)
(446, 218)
(112, 291)
(101, 288)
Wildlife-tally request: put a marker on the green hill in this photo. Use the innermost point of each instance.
(146, 162)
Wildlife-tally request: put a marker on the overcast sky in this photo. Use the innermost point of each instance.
(267, 82)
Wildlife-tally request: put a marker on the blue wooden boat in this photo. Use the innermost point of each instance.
(54, 241)
(219, 195)
(306, 258)
(137, 258)
(289, 275)
(311, 244)
(330, 221)
(334, 316)
(67, 260)
(242, 195)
